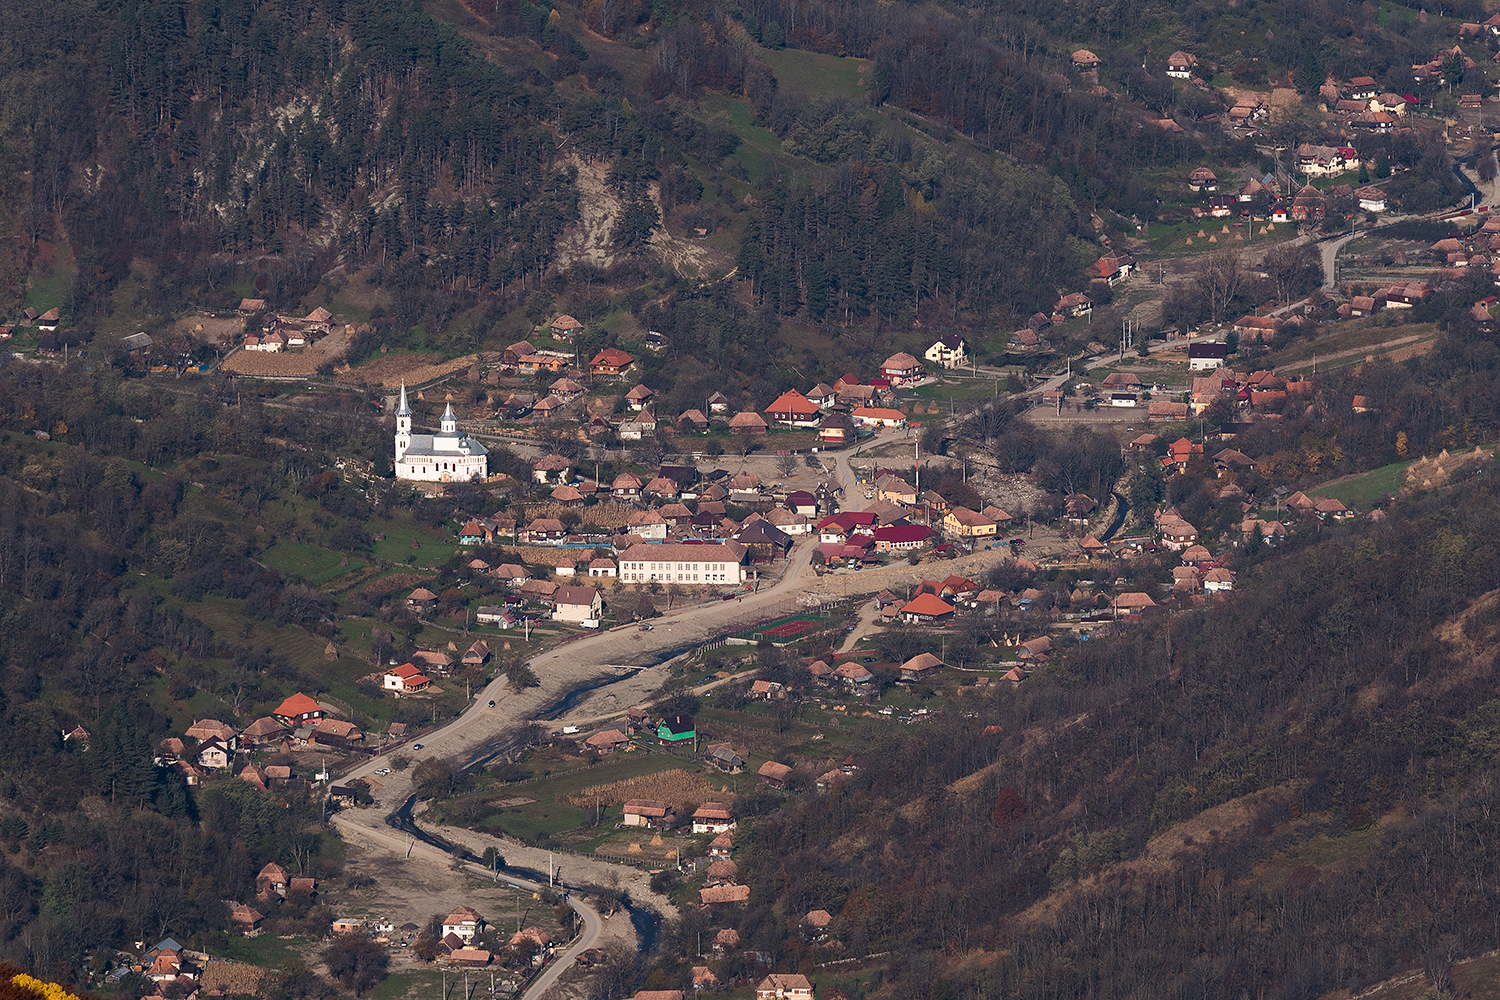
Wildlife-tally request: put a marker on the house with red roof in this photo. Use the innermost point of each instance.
(877, 416)
(837, 528)
(298, 709)
(902, 537)
(927, 608)
(902, 367)
(1180, 452)
(610, 363)
(792, 409)
(405, 678)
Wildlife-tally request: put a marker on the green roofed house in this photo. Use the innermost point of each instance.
(676, 728)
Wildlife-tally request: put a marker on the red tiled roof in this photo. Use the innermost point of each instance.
(297, 704)
(928, 604)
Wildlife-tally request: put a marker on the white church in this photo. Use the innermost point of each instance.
(449, 456)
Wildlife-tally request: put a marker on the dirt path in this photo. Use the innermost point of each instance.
(575, 869)
(867, 616)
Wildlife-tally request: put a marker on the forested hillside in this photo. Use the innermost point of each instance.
(166, 156)
(181, 153)
(1290, 792)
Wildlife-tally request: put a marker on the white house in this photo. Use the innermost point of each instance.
(877, 416)
(464, 922)
(577, 605)
(496, 614)
(1371, 199)
(1180, 65)
(449, 456)
(1218, 579)
(1206, 355)
(948, 351)
(646, 812)
(784, 986)
(405, 678)
(713, 817)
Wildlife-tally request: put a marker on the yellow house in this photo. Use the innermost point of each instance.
(894, 489)
(962, 522)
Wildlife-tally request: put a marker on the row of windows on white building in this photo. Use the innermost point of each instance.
(642, 572)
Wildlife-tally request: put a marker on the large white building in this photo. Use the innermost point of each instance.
(688, 564)
(449, 456)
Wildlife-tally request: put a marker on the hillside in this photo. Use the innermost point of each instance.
(452, 173)
(1287, 791)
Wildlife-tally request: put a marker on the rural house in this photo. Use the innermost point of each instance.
(784, 986)
(646, 812)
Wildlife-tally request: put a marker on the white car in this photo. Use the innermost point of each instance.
(383, 771)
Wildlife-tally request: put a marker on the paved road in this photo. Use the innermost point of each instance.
(1330, 259)
(590, 659)
(560, 671)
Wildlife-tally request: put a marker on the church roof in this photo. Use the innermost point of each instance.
(454, 444)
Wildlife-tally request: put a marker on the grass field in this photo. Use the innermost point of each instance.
(50, 290)
(758, 147)
(969, 390)
(1172, 240)
(303, 650)
(1363, 491)
(549, 815)
(434, 545)
(419, 983)
(226, 616)
(313, 564)
(814, 75)
(268, 951)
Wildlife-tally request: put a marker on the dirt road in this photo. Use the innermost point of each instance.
(590, 660)
(419, 857)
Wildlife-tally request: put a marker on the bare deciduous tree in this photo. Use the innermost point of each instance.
(1293, 270)
(1219, 279)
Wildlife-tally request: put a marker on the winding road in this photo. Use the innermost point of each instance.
(481, 732)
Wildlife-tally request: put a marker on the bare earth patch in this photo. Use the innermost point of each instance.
(588, 239)
(217, 330)
(288, 364)
(1474, 637)
(413, 369)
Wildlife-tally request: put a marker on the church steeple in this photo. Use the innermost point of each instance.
(403, 424)
(449, 422)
